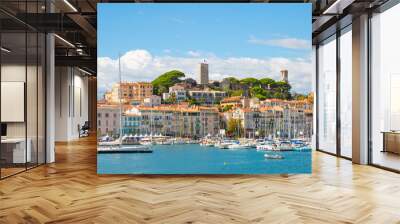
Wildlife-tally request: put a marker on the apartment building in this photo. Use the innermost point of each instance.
(130, 91)
(207, 96)
(182, 121)
(108, 119)
(274, 122)
(152, 101)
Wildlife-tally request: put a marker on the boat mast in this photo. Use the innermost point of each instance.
(120, 98)
(151, 124)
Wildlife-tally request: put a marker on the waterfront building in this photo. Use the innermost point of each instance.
(165, 96)
(210, 121)
(238, 101)
(152, 101)
(178, 91)
(273, 102)
(254, 102)
(234, 101)
(131, 123)
(130, 91)
(301, 104)
(173, 120)
(273, 121)
(108, 119)
(251, 120)
(207, 96)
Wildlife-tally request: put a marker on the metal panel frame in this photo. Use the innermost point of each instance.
(44, 71)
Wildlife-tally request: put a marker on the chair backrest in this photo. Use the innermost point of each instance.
(86, 125)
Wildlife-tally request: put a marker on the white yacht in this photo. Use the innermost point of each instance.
(238, 146)
(225, 144)
(267, 145)
(124, 148)
(284, 146)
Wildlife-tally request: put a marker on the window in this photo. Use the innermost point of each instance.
(327, 95)
(385, 88)
(346, 93)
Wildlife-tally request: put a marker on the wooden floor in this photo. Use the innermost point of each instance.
(70, 191)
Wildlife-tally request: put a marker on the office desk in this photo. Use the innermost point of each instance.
(391, 141)
(13, 150)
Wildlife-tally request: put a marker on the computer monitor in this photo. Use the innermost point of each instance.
(3, 130)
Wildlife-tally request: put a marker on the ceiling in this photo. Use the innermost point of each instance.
(75, 22)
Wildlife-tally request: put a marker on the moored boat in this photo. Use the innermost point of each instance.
(125, 149)
(238, 146)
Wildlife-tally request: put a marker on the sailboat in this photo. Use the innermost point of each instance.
(118, 146)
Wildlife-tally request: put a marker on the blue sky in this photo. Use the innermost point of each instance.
(243, 40)
(224, 29)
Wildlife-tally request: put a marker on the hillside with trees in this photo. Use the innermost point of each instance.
(162, 83)
(264, 88)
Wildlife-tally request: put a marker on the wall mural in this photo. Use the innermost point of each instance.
(204, 88)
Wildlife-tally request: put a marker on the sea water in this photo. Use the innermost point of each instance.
(196, 159)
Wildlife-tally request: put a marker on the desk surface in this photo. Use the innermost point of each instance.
(391, 132)
(13, 140)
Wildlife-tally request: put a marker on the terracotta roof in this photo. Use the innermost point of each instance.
(274, 100)
(176, 108)
(231, 99)
(265, 108)
(308, 111)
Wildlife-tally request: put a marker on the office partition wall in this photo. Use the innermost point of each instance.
(22, 87)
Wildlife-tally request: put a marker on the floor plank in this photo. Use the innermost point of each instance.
(70, 191)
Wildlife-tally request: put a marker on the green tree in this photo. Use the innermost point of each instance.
(283, 90)
(226, 108)
(234, 128)
(298, 96)
(192, 101)
(236, 92)
(257, 90)
(232, 80)
(171, 99)
(162, 83)
(265, 82)
(310, 98)
(229, 83)
(250, 82)
(283, 86)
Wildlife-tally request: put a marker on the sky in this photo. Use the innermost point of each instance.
(240, 40)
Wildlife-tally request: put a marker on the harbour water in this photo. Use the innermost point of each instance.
(195, 159)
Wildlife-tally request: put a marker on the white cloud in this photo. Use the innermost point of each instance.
(194, 53)
(140, 65)
(291, 43)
